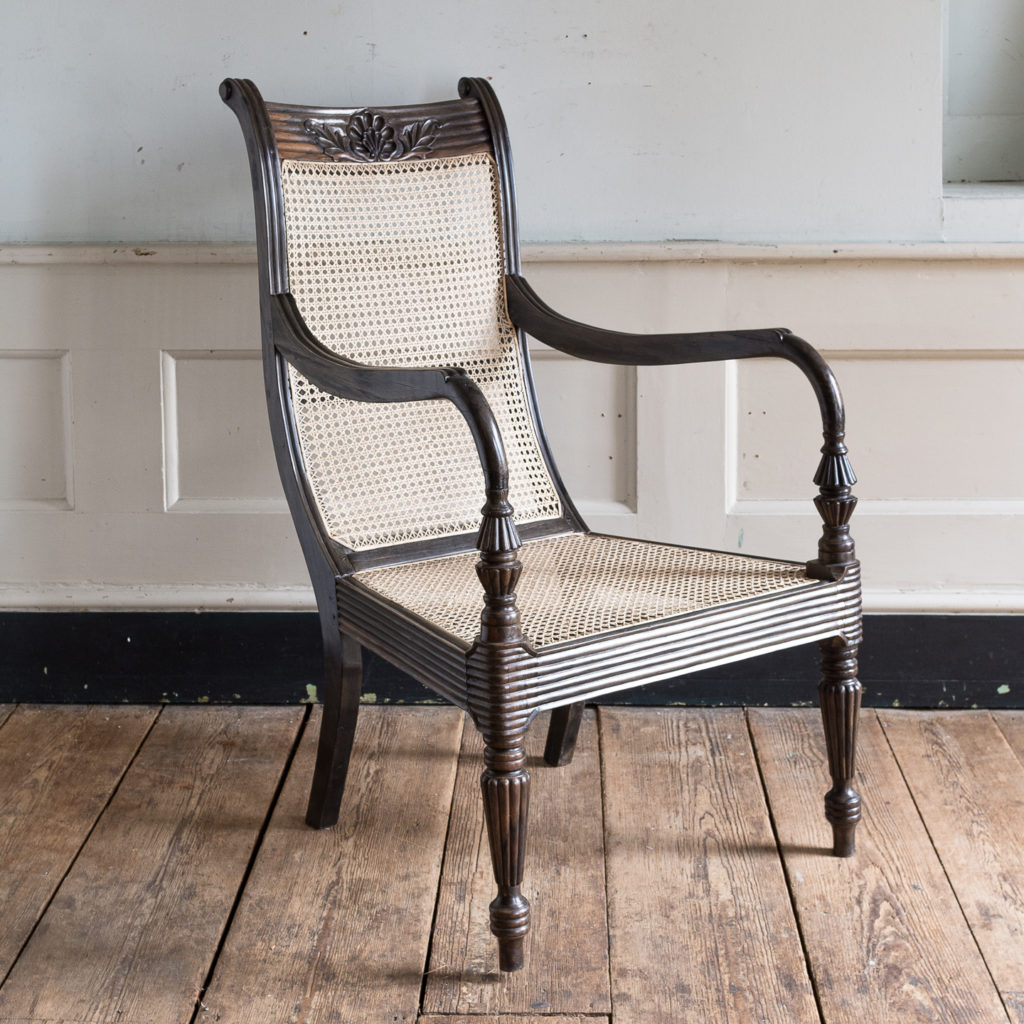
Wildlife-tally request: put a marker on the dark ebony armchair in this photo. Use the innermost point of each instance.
(401, 398)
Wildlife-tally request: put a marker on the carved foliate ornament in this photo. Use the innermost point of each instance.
(369, 137)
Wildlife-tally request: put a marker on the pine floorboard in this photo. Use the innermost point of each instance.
(700, 919)
(334, 925)
(155, 869)
(968, 785)
(131, 932)
(567, 948)
(58, 768)
(883, 931)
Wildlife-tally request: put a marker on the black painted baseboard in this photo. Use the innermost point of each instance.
(274, 658)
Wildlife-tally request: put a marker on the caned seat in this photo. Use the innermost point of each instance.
(582, 587)
(401, 400)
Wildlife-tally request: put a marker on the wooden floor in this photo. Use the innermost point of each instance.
(154, 868)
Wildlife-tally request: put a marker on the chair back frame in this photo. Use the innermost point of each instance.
(274, 132)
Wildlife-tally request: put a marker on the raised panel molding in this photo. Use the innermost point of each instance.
(933, 428)
(952, 459)
(216, 443)
(36, 422)
(188, 514)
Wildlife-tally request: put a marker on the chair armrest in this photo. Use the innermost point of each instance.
(834, 476)
(360, 382)
(528, 311)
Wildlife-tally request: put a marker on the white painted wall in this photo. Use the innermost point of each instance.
(661, 119)
(983, 135)
(136, 469)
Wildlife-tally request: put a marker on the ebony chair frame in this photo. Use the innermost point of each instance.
(488, 679)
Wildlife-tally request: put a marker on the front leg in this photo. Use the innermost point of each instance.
(839, 691)
(494, 680)
(506, 792)
(839, 694)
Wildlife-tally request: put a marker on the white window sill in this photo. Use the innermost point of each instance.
(983, 212)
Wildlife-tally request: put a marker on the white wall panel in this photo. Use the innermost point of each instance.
(136, 469)
(35, 422)
(589, 412)
(788, 120)
(157, 358)
(216, 441)
(949, 448)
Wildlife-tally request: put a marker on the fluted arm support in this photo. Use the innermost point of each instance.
(834, 477)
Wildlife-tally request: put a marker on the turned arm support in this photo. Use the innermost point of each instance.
(834, 476)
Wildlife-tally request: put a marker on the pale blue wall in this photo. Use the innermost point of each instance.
(795, 120)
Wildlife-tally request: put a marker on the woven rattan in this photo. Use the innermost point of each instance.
(401, 265)
(580, 585)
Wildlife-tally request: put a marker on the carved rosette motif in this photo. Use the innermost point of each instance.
(370, 137)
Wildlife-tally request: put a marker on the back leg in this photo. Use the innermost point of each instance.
(562, 733)
(343, 681)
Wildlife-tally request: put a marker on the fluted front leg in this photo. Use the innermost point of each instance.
(839, 691)
(839, 694)
(506, 792)
(494, 671)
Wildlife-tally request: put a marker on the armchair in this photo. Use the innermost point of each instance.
(398, 381)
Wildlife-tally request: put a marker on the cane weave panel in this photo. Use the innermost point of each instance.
(580, 585)
(401, 264)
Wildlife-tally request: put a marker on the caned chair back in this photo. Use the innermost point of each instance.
(395, 257)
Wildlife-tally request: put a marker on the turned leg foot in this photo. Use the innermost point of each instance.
(343, 680)
(510, 921)
(506, 791)
(562, 734)
(839, 694)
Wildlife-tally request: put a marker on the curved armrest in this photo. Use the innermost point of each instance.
(528, 311)
(834, 476)
(346, 378)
